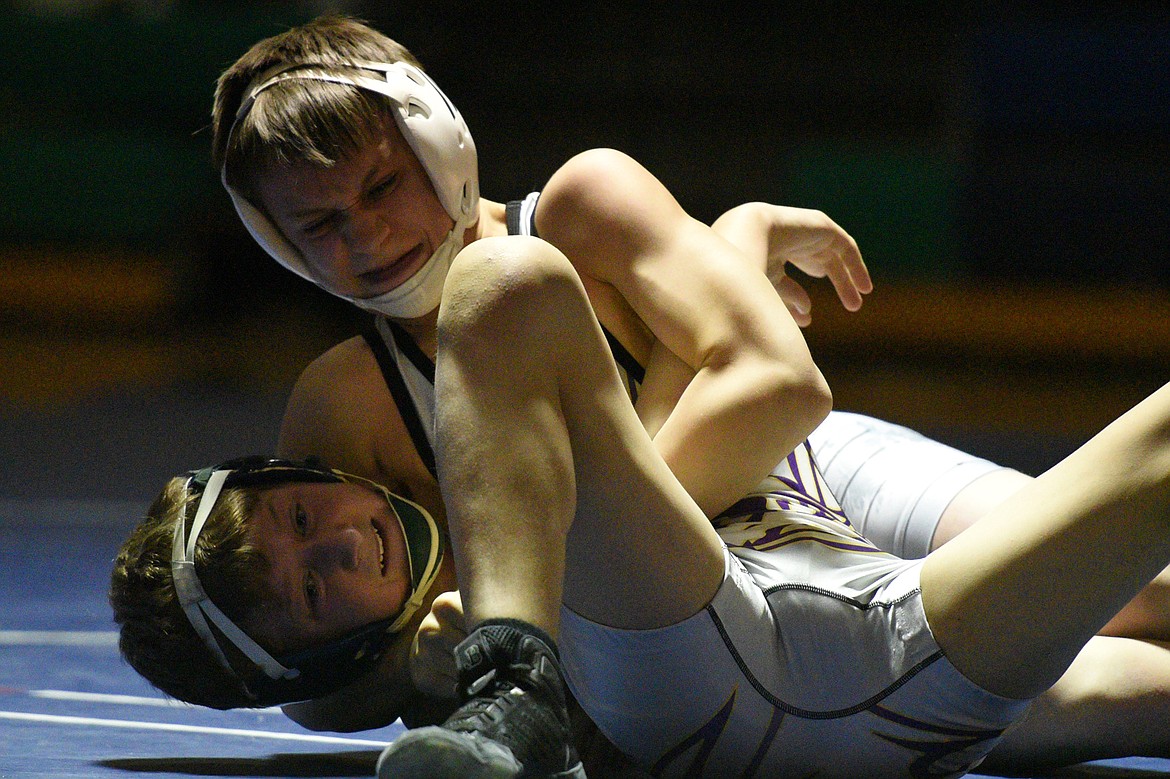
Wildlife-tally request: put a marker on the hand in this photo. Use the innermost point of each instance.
(776, 236)
(432, 656)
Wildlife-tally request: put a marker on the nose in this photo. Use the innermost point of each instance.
(340, 548)
(363, 230)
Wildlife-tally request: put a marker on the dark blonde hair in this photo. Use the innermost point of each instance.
(298, 120)
(156, 638)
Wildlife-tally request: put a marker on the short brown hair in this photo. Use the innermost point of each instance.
(298, 120)
(157, 639)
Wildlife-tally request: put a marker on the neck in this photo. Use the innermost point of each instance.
(423, 331)
(493, 220)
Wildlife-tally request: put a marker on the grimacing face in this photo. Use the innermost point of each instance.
(338, 562)
(364, 225)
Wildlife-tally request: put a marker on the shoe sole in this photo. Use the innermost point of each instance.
(434, 753)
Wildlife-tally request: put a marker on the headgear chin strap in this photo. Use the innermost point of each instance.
(313, 672)
(441, 141)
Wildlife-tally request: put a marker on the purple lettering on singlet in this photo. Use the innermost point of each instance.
(779, 536)
(765, 743)
(939, 757)
(797, 483)
(702, 740)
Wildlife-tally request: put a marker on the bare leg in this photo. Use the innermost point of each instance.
(1113, 701)
(1147, 616)
(975, 501)
(541, 452)
(554, 493)
(1115, 698)
(1066, 553)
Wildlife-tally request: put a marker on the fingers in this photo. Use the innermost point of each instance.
(850, 284)
(858, 274)
(828, 250)
(432, 661)
(841, 262)
(796, 299)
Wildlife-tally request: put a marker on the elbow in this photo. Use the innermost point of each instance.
(800, 399)
(814, 397)
(306, 715)
(312, 715)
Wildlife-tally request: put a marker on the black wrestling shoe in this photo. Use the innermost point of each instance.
(513, 722)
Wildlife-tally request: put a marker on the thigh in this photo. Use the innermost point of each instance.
(1067, 551)
(1113, 701)
(1147, 616)
(537, 432)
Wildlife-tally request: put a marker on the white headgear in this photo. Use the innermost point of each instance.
(440, 140)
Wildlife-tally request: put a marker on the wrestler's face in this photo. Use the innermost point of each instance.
(338, 562)
(365, 225)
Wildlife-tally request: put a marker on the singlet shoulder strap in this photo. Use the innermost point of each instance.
(521, 215)
(622, 356)
(407, 346)
(398, 390)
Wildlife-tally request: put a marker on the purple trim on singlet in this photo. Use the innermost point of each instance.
(813, 714)
(942, 730)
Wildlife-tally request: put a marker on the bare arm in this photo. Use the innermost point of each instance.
(756, 392)
(774, 237)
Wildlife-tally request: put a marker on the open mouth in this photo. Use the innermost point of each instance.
(381, 548)
(387, 277)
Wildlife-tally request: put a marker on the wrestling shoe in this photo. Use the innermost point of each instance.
(513, 721)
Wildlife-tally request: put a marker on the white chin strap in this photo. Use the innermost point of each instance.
(196, 603)
(420, 533)
(420, 294)
(439, 138)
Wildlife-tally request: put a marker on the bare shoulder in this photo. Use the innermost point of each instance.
(333, 384)
(341, 411)
(603, 206)
(336, 408)
(599, 182)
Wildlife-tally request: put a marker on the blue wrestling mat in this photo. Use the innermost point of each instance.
(69, 707)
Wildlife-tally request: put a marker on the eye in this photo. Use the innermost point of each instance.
(383, 187)
(300, 520)
(319, 228)
(312, 590)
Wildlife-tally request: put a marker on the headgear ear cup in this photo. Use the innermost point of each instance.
(439, 138)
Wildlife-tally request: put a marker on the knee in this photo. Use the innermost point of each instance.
(501, 281)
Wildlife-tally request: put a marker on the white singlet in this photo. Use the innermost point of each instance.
(813, 659)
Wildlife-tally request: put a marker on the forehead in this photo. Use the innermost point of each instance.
(301, 183)
(296, 118)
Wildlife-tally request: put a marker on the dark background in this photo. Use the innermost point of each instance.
(1003, 168)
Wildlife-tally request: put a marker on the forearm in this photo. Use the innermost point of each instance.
(734, 423)
(749, 227)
